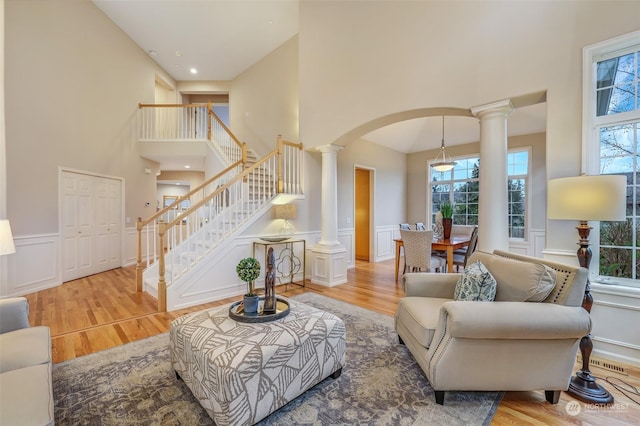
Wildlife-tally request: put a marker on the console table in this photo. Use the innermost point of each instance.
(288, 261)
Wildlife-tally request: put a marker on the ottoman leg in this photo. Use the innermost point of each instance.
(336, 374)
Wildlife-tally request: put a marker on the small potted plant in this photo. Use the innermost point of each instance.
(248, 270)
(446, 209)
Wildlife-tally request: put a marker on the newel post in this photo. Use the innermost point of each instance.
(139, 256)
(280, 165)
(209, 119)
(162, 284)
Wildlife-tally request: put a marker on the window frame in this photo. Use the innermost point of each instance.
(527, 199)
(591, 125)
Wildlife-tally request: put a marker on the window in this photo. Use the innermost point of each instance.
(460, 186)
(612, 146)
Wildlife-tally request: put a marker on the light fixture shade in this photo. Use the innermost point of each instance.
(6, 238)
(441, 163)
(600, 197)
(443, 166)
(286, 211)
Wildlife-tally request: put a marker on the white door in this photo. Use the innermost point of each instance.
(91, 227)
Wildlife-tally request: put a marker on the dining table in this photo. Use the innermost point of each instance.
(450, 245)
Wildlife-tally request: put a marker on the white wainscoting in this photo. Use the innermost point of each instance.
(34, 266)
(615, 314)
(385, 247)
(533, 245)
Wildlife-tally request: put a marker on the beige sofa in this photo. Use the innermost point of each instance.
(26, 394)
(512, 343)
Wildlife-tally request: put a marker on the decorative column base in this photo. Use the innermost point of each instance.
(329, 265)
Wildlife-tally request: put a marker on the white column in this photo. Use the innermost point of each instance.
(493, 232)
(329, 260)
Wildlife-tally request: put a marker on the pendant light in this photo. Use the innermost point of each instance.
(442, 162)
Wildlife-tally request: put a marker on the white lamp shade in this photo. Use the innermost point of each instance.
(6, 238)
(601, 197)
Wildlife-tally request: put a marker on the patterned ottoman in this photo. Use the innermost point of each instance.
(242, 372)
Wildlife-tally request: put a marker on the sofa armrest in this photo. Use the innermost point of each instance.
(14, 314)
(514, 320)
(426, 284)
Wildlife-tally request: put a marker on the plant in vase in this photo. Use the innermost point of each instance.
(446, 209)
(248, 270)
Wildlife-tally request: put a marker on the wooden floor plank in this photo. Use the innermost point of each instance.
(103, 311)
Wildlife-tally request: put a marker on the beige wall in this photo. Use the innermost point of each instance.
(195, 179)
(410, 55)
(390, 182)
(73, 82)
(263, 100)
(417, 164)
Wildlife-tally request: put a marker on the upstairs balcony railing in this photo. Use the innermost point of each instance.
(188, 122)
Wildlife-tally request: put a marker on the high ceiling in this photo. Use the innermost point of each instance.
(222, 38)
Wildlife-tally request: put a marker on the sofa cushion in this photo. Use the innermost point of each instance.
(518, 281)
(475, 284)
(27, 396)
(25, 347)
(420, 316)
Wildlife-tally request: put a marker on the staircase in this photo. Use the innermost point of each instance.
(178, 251)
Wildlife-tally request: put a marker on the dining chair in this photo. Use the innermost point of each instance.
(417, 251)
(405, 226)
(420, 226)
(460, 259)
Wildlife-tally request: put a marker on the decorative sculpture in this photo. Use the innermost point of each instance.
(270, 285)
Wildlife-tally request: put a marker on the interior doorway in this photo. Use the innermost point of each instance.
(363, 221)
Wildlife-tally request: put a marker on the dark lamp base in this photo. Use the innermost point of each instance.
(585, 388)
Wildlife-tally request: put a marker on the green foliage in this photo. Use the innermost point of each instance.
(616, 261)
(248, 270)
(446, 208)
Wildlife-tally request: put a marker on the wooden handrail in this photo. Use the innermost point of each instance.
(170, 105)
(226, 129)
(188, 195)
(220, 189)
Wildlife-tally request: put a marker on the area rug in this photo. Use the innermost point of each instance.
(381, 384)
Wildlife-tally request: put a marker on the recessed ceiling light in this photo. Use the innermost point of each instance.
(193, 71)
(187, 166)
(153, 53)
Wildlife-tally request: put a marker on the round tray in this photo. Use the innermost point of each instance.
(274, 239)
(282, 309)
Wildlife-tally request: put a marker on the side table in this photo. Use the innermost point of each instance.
(288, 261)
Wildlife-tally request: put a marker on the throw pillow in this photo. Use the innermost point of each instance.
(518, 281)
(475, 283)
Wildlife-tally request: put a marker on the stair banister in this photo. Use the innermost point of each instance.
(141, 224)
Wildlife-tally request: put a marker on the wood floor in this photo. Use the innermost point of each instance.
(102, 311)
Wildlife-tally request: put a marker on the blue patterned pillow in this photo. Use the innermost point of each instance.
(475, 283)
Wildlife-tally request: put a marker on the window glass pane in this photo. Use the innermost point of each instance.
(616, 262)
(617, 85)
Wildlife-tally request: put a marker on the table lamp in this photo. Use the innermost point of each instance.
(6, 238)
(585, 198)
(286, 212)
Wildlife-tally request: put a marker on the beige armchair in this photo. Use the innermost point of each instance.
(512, 343)
(26, 392)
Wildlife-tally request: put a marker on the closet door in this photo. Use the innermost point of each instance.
(91, 227)
(76, 211)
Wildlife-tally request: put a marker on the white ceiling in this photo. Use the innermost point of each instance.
(222, 38)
